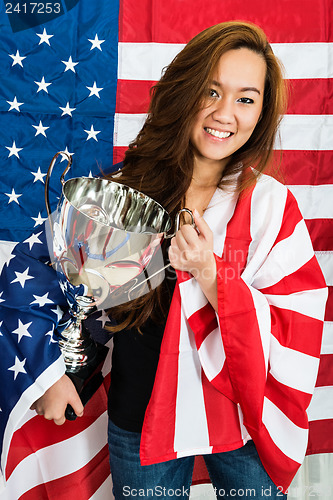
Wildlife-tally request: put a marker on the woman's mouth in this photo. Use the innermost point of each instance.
(216, 133)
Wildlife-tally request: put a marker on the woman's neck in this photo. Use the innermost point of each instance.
(207, 173)
(206, 177)
(199, 195)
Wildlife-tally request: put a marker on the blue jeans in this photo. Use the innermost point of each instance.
(234, 474)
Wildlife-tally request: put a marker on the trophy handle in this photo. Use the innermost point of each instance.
(48, 175)
(177, 221)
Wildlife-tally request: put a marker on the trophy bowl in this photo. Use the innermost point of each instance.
(104, 237)
(105, 243)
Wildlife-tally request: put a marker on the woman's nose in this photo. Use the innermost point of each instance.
(224, 110)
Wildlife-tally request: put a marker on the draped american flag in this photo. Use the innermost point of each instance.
(75, 77)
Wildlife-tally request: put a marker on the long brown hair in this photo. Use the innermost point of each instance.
(159, 162)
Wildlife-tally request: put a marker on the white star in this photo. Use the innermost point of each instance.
(1, 300)
(17, 59)
(32, 240)
(63, 286)
(50, 334)
(13, 150)
(42, 85)
(96, 43)
(64, 157)
(44, 37)
(18, 367)
(40, 129)
(92, 133)
(22, 277)
(58, 312)
(90, 176)
(13, 196)
(103, 318)
(41, 300)
(94, 90)
(38, 175)
(1, 335)
(70, 65)
(67, 110)
(38, 220)
(15, 105)
(22, 330)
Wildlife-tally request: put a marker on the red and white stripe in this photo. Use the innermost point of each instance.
(46, 461)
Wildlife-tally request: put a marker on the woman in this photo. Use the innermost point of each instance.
(224, 361)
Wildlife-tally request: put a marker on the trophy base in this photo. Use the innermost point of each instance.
(87, 379)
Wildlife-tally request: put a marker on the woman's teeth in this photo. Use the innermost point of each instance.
(215, 133)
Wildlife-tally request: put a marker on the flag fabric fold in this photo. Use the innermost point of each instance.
(30, 310)
(32, 305)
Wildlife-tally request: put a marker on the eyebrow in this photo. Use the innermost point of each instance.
(243, 89)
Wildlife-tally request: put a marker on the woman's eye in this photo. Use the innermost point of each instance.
(213, 93)
(245, 100)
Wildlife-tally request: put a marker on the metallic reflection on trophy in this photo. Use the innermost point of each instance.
(106, 247)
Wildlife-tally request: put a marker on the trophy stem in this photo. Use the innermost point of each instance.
(83, 356)
(77, 347)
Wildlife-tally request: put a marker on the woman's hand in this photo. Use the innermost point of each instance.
(191, 250)
(53, 403)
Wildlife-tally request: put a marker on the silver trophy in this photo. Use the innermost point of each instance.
(105, 243)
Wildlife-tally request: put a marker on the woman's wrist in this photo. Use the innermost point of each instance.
(206, 276)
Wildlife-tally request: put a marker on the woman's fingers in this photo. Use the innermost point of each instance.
(186, 236)
(76, 404)
(202, 225)
(191, 248)
(59, 421)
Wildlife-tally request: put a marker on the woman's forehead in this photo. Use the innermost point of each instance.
(241, 67)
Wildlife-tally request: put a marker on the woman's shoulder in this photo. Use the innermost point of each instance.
(269, 182)
(273, 196)
(268, 186)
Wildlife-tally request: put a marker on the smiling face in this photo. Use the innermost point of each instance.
(232, 110)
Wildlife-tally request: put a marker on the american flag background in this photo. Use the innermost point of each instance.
(75, 77)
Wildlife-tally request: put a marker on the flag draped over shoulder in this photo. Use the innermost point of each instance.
(248, 369)
(75, 77)
(31, 362)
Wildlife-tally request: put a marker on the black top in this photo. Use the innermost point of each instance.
(134, 363)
